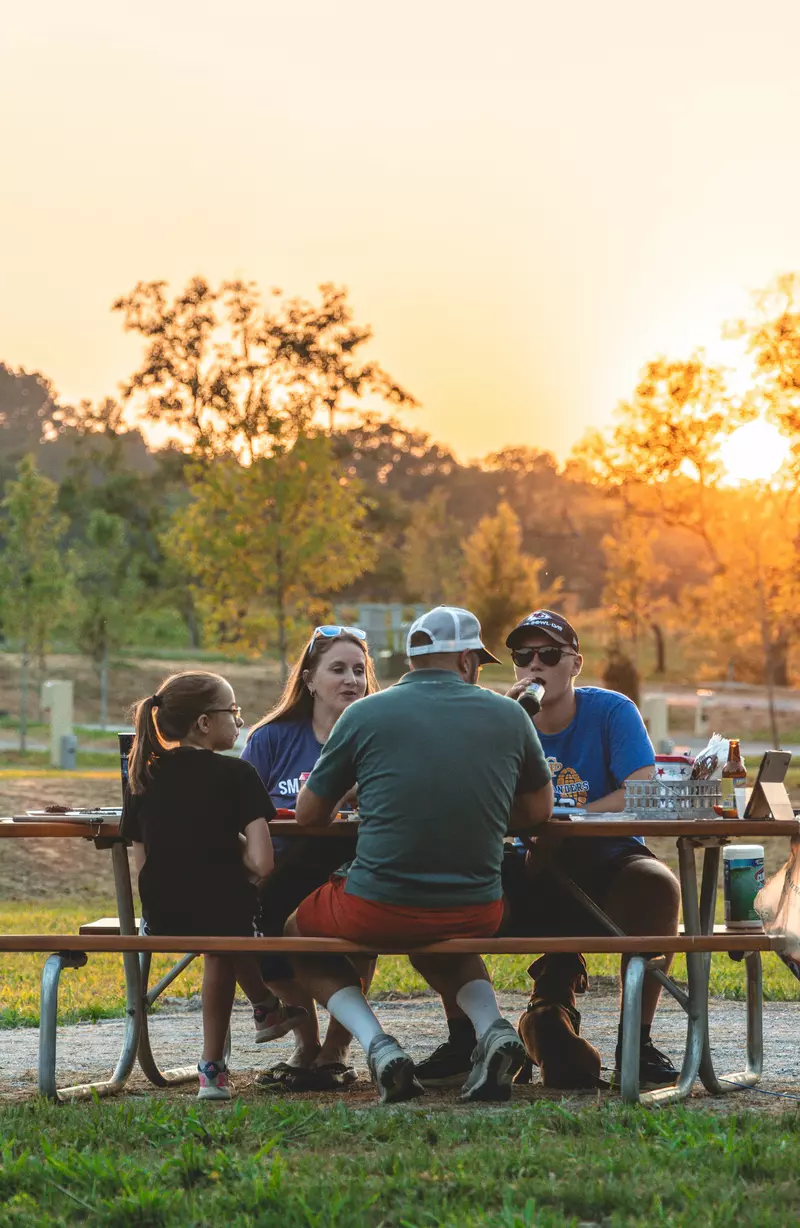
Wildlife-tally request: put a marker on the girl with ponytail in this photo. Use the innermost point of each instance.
(198, 823)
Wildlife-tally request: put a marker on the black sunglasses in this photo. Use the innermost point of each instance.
(549, 655)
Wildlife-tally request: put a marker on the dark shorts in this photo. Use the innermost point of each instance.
(205, 925)
(537, 904)
(305, 867)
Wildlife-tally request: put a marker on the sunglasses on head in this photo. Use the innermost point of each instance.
(550, 654)
(330, 633)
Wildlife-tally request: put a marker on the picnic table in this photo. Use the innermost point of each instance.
(706, 835)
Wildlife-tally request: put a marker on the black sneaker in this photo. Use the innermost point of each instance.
(655, 1068)
(447, 1066)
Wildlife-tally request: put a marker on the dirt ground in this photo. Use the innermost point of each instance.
(89, 1051)
(37, 870)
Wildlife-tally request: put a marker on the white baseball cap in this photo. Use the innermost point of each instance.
(450, 629)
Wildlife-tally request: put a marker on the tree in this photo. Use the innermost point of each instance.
(27, 410)
(501, 582)
(31, 571)
(772, 333)
(433, 562)
(110, 469)
(632, 588)
(231, 378)
(745, 617)
(266, 543)
(106, 590)
(662, 458)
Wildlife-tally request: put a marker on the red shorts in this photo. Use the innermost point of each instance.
(329, 912)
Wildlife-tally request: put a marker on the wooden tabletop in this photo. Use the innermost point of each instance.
(600, 825)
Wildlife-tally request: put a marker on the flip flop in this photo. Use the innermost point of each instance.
(275, 1075)
(332, 1077)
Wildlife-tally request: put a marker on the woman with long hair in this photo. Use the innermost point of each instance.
(333, 671)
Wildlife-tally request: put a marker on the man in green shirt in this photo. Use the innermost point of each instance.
(441, 766)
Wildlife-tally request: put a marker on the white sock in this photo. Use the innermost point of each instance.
(351, 1009)
(479, 1004)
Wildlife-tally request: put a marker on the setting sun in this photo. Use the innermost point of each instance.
(754, 453)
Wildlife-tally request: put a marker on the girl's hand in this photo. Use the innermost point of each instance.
(517, 689)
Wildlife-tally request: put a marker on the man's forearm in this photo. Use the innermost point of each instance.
(611, 803)
(313, 811)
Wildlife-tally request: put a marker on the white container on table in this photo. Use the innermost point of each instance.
(743, 878)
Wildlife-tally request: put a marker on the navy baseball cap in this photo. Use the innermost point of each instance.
(551, 624)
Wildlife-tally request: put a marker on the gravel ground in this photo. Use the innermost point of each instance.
(89, 1051)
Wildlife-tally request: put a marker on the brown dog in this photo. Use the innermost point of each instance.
(550, 1027)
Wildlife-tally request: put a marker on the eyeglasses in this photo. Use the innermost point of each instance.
(234, 711)
(330, 633)
(550, 654)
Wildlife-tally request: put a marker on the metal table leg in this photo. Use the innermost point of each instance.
(637, 968)
(133, 1004)
(719, 1085)
(180, 1074)
(696, 1006)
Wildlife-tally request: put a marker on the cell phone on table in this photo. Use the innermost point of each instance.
(771, 771)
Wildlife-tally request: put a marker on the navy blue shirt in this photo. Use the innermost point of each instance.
(604, 743)
(280, 752)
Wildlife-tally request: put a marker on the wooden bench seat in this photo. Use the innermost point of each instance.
(110, 925)
(607, 943)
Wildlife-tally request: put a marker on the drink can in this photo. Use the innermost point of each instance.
(743, 878)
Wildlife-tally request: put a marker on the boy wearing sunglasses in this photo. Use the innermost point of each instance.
(594, 740)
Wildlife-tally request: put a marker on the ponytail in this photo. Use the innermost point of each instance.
(180, 700)
(147, 745)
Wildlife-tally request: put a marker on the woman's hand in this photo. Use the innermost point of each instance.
(517, 689)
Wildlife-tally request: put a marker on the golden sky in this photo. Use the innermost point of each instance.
(527, 200)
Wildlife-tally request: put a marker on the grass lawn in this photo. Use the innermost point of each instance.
(153, 1162)
(40, 759)
(97, 991)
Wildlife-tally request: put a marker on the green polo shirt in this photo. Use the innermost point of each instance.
(437, 762)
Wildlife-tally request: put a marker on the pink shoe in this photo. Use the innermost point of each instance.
(272, 1022)
(215, 1081)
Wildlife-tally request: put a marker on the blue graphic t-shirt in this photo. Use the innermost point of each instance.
(604, 743)
(280, 753)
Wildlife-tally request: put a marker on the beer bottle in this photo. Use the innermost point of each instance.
(531, 699)
(734, 776)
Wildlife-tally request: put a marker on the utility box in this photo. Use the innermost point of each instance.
(655, 714)
(68, 756)
(702, 715)
(57, 700)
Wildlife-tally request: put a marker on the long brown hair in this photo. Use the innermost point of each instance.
(167, 717)
(296, 702)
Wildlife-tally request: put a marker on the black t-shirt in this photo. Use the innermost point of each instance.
(189, 819)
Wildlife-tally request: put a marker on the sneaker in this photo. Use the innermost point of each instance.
(655, 1068)
(392, 1071)
(215, 1081)
(447, 1066)
(272, 1022)
(498, 1056)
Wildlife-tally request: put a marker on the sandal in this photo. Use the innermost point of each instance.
(275, 1076)
(332, 1077)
